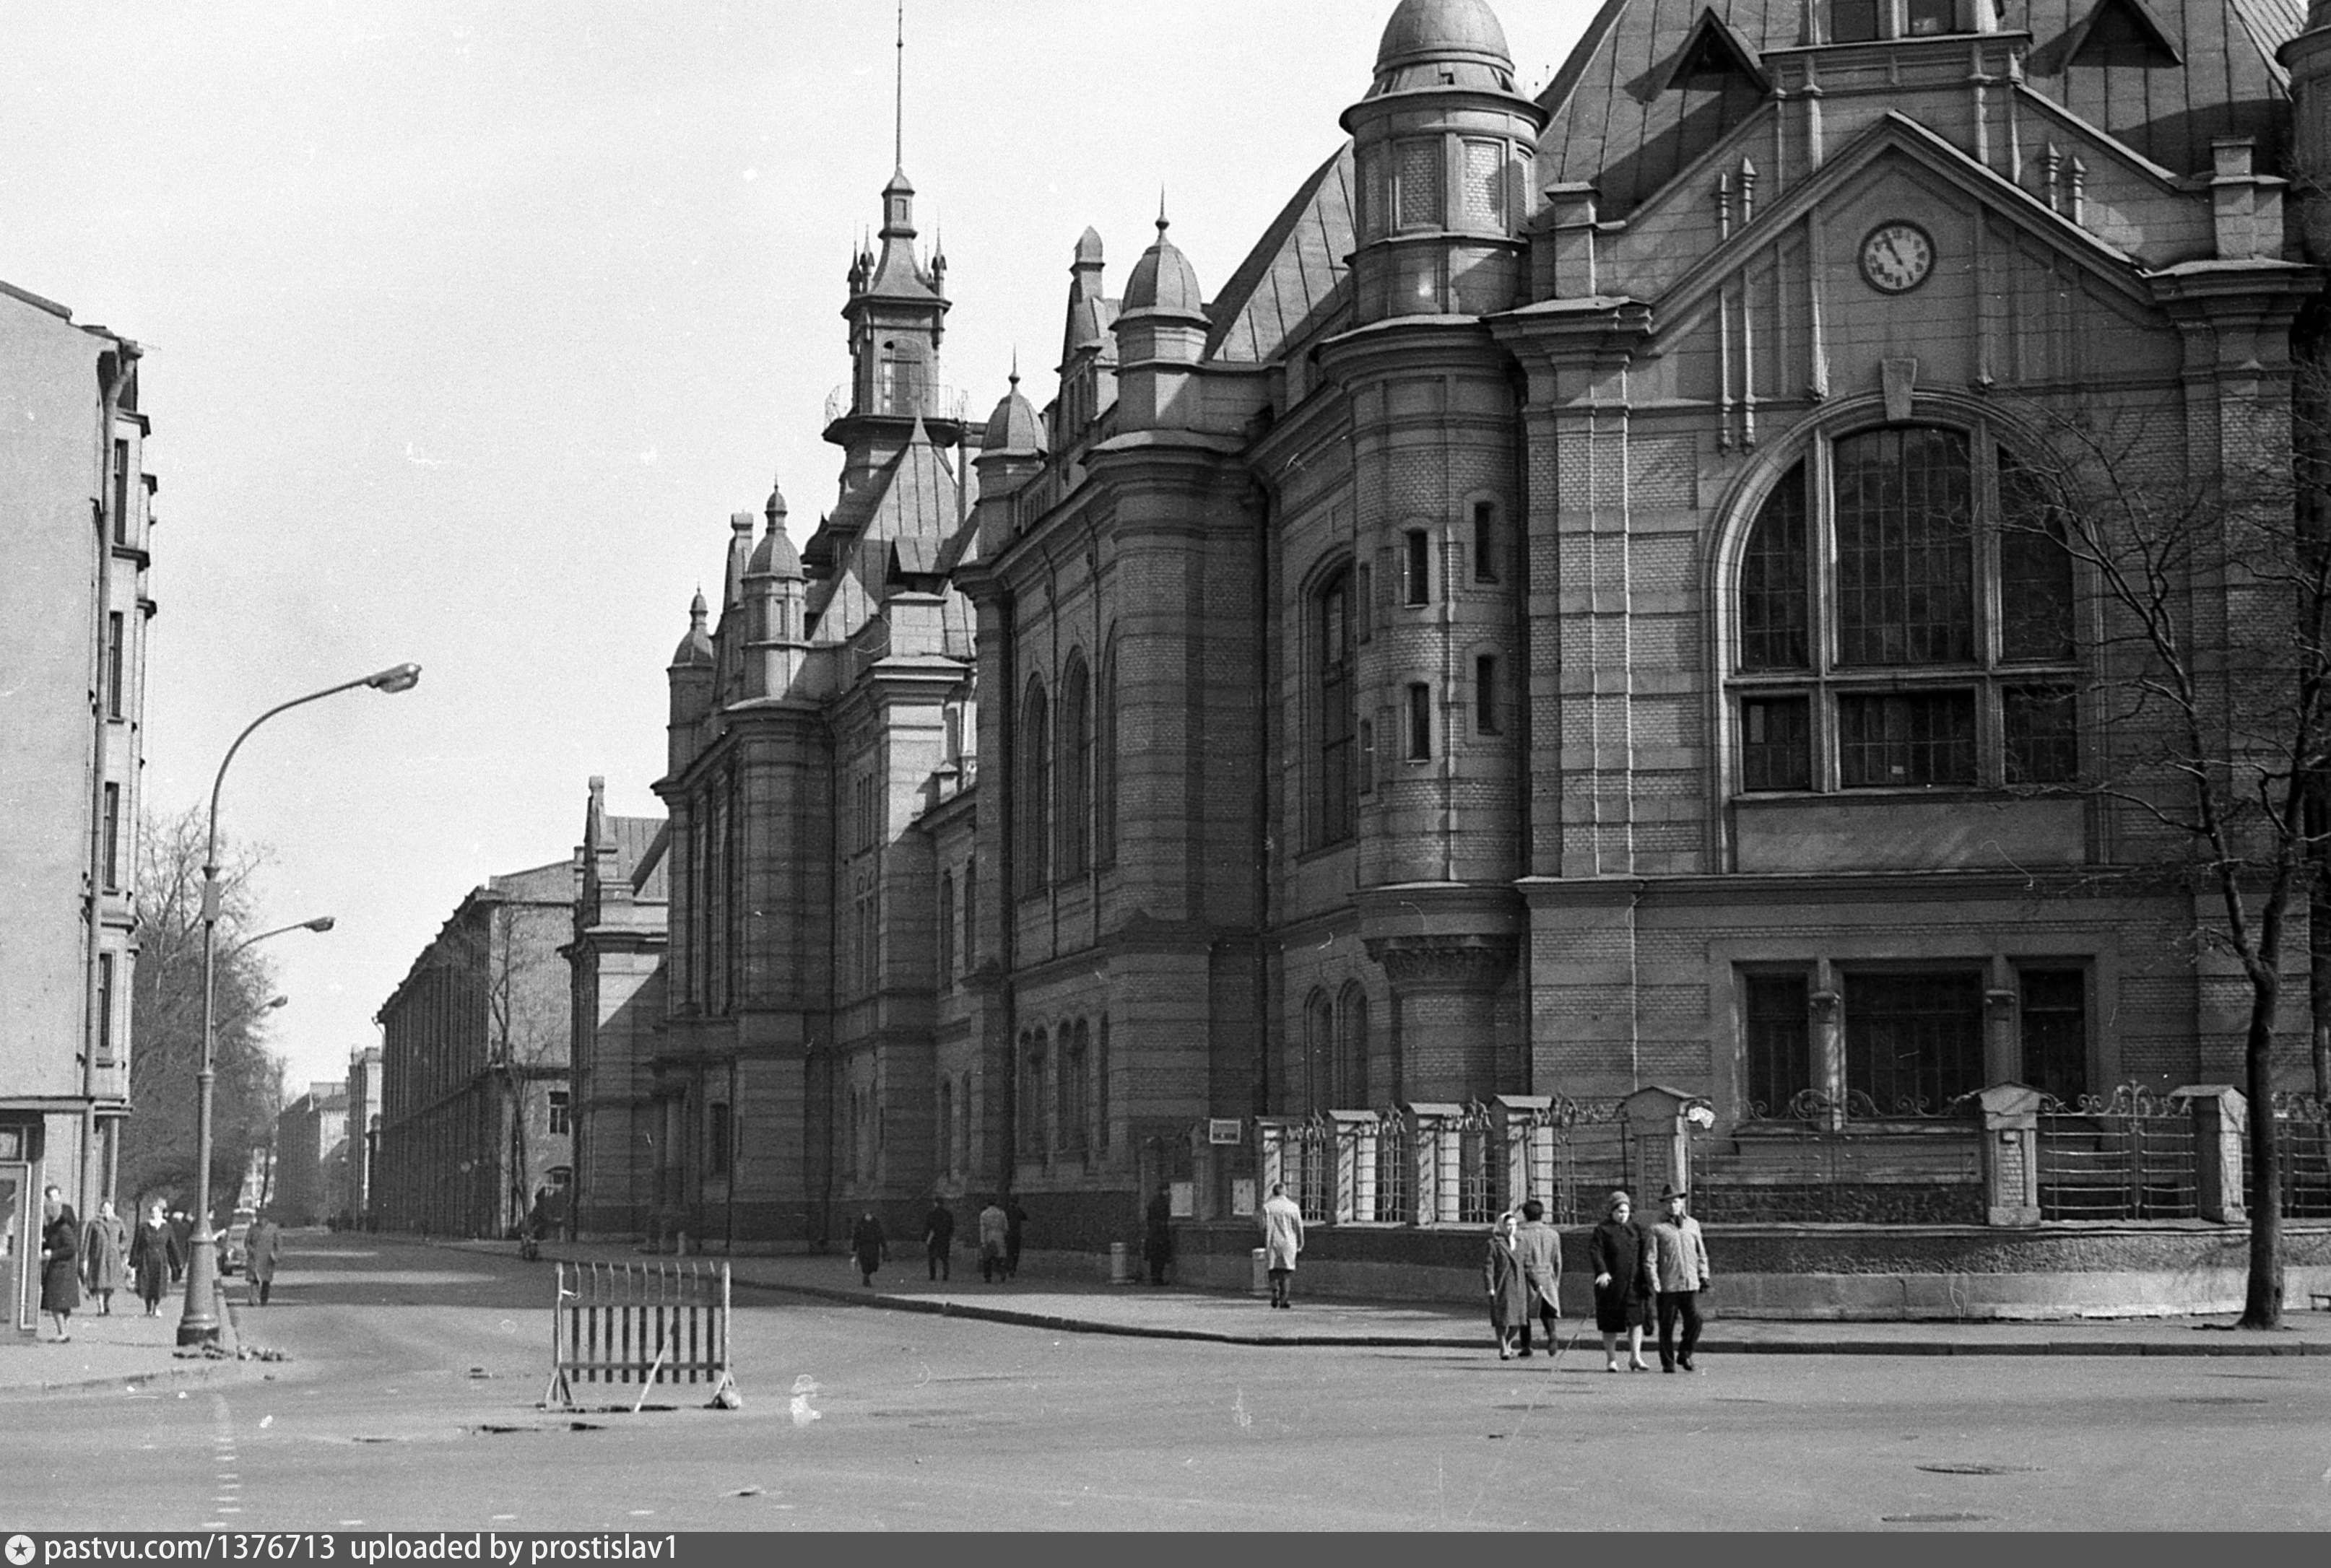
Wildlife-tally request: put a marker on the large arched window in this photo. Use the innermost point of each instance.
(1076, 769)
(1075, 1086)
(947, 931)
(1032, 1092)
(1035, 790)
(1352, 1048)
(1334, 712)
(1105, 766)
(1904, 621)
(1318, 1050)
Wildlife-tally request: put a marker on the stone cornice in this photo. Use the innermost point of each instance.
(1479, 962)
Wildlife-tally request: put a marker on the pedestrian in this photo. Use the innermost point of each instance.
(60, 1261)
(263, 1246)
(1537, 1247)
(1619, 1254)
(104, 1249)
(869, 1246)
(1680, 1272)
(153, 1259)
(1157, 1235)
(182, 1231)
(1501, 1276)
(1015, 1231)
(938, 1238)
(1282, 1238)
(995, 1236)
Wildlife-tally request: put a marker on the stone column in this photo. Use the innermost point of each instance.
(1829, 1057)
(2221, 1121)
(2011, 1155)
(1656, 1121)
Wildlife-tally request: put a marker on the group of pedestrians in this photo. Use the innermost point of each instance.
(1641, 1273)
(1002, 1224)
(97, 1259)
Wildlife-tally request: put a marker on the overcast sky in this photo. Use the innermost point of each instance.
(468, 325)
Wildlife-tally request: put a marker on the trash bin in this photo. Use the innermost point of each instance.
(1261, 1285)
(1120, 1263)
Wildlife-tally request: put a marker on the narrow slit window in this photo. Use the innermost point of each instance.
(1420, 723)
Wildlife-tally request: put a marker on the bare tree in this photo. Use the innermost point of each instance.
(157, 1141)
(2209, 696)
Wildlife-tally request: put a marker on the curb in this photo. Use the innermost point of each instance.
(191, 1369)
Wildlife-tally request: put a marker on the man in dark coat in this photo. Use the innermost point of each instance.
(869, 1246)
(938, 1239)
(264, 1249)
(1157, 1236)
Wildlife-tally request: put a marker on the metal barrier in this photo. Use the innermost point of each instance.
(640, 1322)
(2129, 1156)
(2305, 1124)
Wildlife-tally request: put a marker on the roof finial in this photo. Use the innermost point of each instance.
(1161, 212)
(898, 139)
(1015, 367)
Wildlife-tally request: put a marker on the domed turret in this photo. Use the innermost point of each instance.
(695, 648)
(1163, 279)
(1443, 44)
(1013, 428)
(775, 555)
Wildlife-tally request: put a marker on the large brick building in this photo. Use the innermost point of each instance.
(1544, 624)
(74, 522)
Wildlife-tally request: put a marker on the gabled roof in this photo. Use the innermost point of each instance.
(1614, 122)
(1294, 279)
(649, 882)
(913, 497)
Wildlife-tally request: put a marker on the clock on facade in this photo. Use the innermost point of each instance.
(1897, 256)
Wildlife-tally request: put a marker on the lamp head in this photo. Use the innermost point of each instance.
(320, 923)
(396, 678)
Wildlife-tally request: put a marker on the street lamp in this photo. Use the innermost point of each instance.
(199, 1319)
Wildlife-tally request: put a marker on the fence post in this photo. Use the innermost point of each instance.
(1655, 1113)
(2011, 1155)
(1428, 1129)
(1515, 1116)
(2221, 1121)
(1269, 1131)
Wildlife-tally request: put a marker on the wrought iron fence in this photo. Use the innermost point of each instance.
(1573, 1153)
(1824, 1161)
(2128, 1155)
(2303, 1122)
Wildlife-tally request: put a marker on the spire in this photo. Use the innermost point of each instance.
(898, 128)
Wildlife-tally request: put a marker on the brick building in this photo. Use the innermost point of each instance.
(617, 955)
(1547, 623)
(312, 1138)
(364, 1134)
(473, 1064)
(76, 515)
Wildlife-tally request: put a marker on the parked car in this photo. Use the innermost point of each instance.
(234, 1244)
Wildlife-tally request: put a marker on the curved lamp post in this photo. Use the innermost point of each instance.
(199, 1319)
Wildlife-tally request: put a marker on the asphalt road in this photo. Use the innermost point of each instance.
(410, 1403)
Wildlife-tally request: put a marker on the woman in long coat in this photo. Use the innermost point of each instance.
(1619, 1255)
(154, 1259)
(61, 1270)
(103, 1247)
(869, 1246)
(1502, 1273)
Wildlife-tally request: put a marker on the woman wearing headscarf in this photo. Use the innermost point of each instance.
(1501, 1273)
(61, 1267)
(1619, 1252)
(154, 1257)
(102, 1249)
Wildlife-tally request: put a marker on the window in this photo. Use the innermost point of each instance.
(718, 1152)
(121, 493)
(947, 1161)
(1930, 18)
(1417, 566)
(1105, 773)
(1318, 1048)
(1863, 20)
(558, 1111)
(116, 643)
(1485, 694)
(1420, 723)
(1367, 780)
(1913, 1042)
(1853, 20)
(1363, 600)
(1486, 205)
(970, 915)
(1076, 770)
(1484, 542)
(1416, 173)
(1075, 1089)
(1032, 1093)
(1776, 1031)
(105, 1010)
(2054, 1014)
(112, 846)
(1334, 703)
(1351, 1076)
(947, 931)
(1035, 792)
(1100, 1087)
(1904, 619)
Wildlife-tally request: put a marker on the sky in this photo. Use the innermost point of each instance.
(467, 326)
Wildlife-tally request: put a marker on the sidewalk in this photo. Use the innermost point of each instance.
(126, 1348)
(1151, 1312)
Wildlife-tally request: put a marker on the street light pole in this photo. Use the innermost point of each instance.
(199, 1319)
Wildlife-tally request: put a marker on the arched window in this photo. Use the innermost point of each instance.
(971, 915)
(1334, 713)
(1032, 1093)
(1904, 619)
(1076, 1087)
(1352, 1048)
(1076, 769)
(946, 1127)
(1035, 781)
(1318, 1051)
(1104, 771)
(947, 931)
(1100, 1087)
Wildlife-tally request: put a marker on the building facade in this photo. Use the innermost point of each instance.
(474, 1110)
(75, 518)
(1569, 613)
(311, 1151)
(617, 956)
(364, 1134)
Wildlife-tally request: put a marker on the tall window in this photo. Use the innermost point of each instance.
(1035, 845)
(1485, 694)
(1485, 545)
(947, 1160)
(1351, 1071)
(116, 645)
(947, 931)
(1914, 1042)
(1420, 722)
(1032, 1092)
(121, 493)
(718, 1147)
(1318, 1050)
(2054, 1014)
(1777, 1034)
(112, 845)
(105, 1008)
(1417, 566)
(970, 915)
(1076, 1087)
(1076, 770)
(1105, 773)
(1100, 1086)
(559, 1126)
(1904, 620)
(1334, 712)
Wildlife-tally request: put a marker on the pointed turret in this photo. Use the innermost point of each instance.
(691, 674)
(774, 609)
(1087, 348)
(1161, 334)
(1010, 455)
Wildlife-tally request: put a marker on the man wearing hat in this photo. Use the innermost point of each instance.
(1678, 1273)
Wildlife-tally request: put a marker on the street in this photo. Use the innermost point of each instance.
(409, 1402)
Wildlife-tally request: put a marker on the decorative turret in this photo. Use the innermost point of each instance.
(774, 609)
(1444, 145)
(1010, 455)
(1087, 348)
(2309, 59)
(692, 673)
(1161, 332)
(897, 312)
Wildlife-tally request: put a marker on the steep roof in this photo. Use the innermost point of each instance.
(1621, 119)
(1294, 279)
(913, 497)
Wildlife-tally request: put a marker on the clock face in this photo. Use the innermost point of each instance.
(1897, 257)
